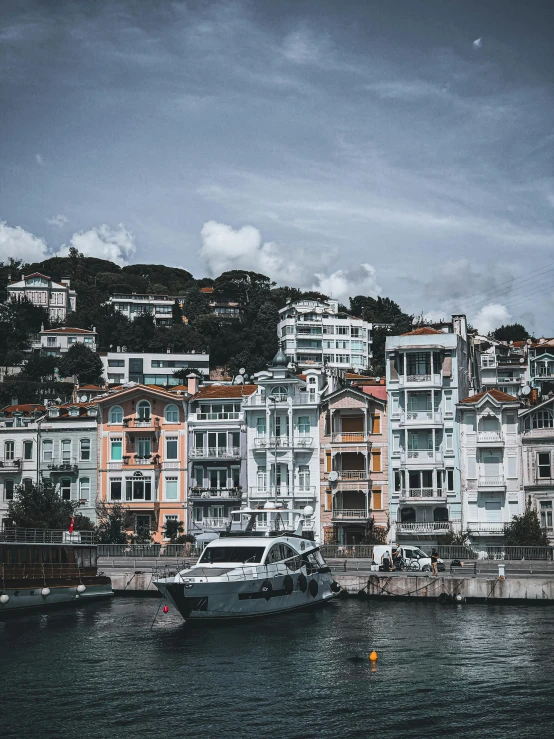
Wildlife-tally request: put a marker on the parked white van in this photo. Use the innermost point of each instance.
(413, 558)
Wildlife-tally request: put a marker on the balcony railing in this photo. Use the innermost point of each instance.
(9, 465)
(283, 442)
(418, 456)
(300, 491)
(489, 436)
(295, 399)
(349, 437)
(230, 452)
(424, 527)
(352, 475)
(222, 416)
(69, 464)
(215, 523)
(350, 514)
(215, 492)
(47, 536)
(422, 493)
(488, 481)
(132, 424)
(422, 417)
(486, 527)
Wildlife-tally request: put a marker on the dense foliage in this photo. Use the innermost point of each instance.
(113, 522)
(511, 332)
(41, 507)
(525, 530)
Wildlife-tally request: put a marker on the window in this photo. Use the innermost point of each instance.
(116, 450)
(375, 424)
(138, 487)
(342, 359)
(303, 425)
(232, 553)
(376, 461)
(84, 488)
(235, 476)
(27, 483)
(171, 447)
(27, 449)
(198, 476)
(448, 403)
(342, 344)
(85, 449)
(171, 414)
(449, 437)
(65, 488)
(304, 476)
(47, 447)
(9, 450)
(143, 410)
(449, 478)
(329, 358)
(116, 363)
(116, 414)
(115, 488)
(66, 451)
(419, 363)
(117, 380)
(377, 499)
(8, 489)
(143, 522)
(544, 464)
(279, 393)
(171, 488)
(546, 514)
(51, 341)
(542, 420)
(488, 360)
(262, 476)
(144, 450)
(343, 330)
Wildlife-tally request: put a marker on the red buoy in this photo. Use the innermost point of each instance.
(165, 609)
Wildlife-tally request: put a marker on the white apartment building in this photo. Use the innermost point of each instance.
(56, 341)
(160, 307)
(283, 439)
(490, 464)
(315, 333)
(57, 298)
(428, 371)
(501, 366)
(150, 369)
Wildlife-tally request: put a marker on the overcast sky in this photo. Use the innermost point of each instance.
(403, 148)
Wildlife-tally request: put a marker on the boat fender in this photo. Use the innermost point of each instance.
(45, 591)
(4, 598)
(313, 588)
(302, 582)
(288, 584)
(444, 598)
(267, 587)
(335, 587)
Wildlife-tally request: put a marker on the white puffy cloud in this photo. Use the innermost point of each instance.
(39, 159)
(57, 220)
(103, 242)
(491, 316)
(224, 248)
(16, 243)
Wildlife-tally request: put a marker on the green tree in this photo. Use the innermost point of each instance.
(41, 507)
(195, 304)
(176, 313)
(113, 523)
(39, 367)
(173, 529)
(525, 530)
(82, 362)
(511, 332)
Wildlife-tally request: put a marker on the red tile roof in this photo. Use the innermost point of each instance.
(24, 408)
(376, 391)
(67, 330)
(423, 331)
(90, 387)
(206, 289)
(224, 391)
(496, 394)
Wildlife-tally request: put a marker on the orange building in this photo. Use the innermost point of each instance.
(142, 455)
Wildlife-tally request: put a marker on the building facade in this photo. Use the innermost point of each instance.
(315, 332)
(541, 366)
(283, 439)
(353, 469)
(428, 371)
(217, 442)
(160, 307)
(537, 436)
(142, 456)
(501, 366)
(56, 341)
(490, 464)
(150, 369)
(57, 298)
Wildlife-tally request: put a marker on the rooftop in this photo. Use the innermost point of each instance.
(67, 330)
(423, 331)
(499, 396)
(224, 391)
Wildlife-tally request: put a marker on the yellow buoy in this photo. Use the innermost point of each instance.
(373, 656)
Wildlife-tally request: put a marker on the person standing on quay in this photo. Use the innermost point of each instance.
(434, 561)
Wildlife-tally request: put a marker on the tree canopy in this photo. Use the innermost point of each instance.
(41, 507)
(511, 332)
(81, 362)
(525, 530)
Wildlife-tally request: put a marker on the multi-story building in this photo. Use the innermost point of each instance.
(428, 371)
(142, 455)
(541, 366)
(501, 366)
(283, 439)
(56, 341)
(19, 455)
(315, 332)
(490, 465)
(57, 298)
(354, 480)
(150, 369)
(217, 454)
(68, 444)
(537, 436)
(160, 307)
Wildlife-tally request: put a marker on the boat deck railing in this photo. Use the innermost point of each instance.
(46, 536)
(257, 571)
(38, 571)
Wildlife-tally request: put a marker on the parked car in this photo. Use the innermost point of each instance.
(411, 558)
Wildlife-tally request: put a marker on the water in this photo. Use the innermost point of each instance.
(444, 671)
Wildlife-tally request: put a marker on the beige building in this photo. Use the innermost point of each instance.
(353, 462)
(56, 297)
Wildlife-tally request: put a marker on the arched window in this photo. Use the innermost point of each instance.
(143, 411)
(171, 414)
(116, 414)
(279, 392)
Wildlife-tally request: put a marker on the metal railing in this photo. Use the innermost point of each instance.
(347, 551)
(350, 437)
(296, 399)
(139, 423)
(40, 571)
(453, 551)
(356, 514)
(543, 554)
(10, 464)
(221, 416)
(282, 490)
(423, 416)
(215, 492)
(352, 474)
(271, 442)
(489, 436)
(424, 526)
(491, 527)
(129, 550)
(491, 481)
(214, 452)
(46, 536)
(422, 493)
(215, 523)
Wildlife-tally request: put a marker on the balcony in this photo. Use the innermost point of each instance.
(215, 523)
(424, 527)
(349, 437)
(10, 465)
(283, 442)
(220, 416)
(349, 515)
(281, 399)
(490, 438)
(486, 527)
(421, 418)
(63, 465)
(432, 380)
(230, 452)
(414, 457)
(206, 493)
(139, 424)
(352, 475)
(423, 494)
(285, 491)
(496, 482)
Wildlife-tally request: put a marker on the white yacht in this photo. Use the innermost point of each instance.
(253, 572)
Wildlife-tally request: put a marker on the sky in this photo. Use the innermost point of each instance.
(400, 148)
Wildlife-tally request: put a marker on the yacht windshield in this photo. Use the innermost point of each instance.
(211, 555)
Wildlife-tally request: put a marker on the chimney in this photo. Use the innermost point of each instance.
(66, 281)
(192, 383)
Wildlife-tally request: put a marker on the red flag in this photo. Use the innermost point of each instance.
(72, 524)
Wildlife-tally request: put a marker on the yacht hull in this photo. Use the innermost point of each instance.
(26, 595)
(221, 599)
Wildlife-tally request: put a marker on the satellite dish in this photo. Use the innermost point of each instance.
(239, 380)
(333, 476)
(526, 390)
(522, 360)
(83, 399)
(242, 371)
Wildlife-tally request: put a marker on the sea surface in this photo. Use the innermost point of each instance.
(124, 669)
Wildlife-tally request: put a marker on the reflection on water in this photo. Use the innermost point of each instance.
(443, 671)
